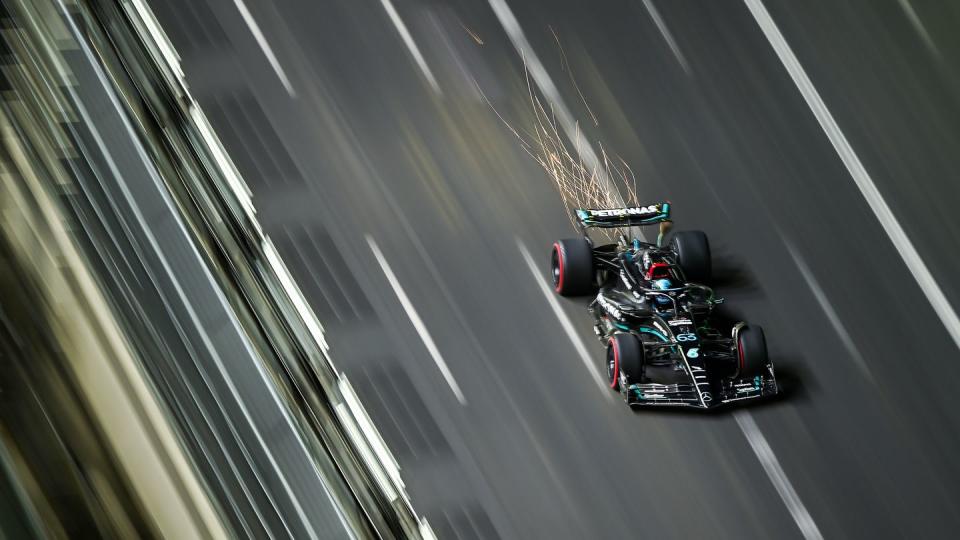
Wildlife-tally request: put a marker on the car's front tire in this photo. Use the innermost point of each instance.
(571, 265)
(693, 255)
(752, 358)
(624, 355)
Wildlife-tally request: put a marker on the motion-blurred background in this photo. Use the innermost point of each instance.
(383, 144)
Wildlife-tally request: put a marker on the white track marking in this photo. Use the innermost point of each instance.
(667, 36)
(919, 27)
(860, 176)
(264, 46)
(828, 310)
(775, 472)
(565, 321)
(547, 87)
(416, 320)
(411, 45)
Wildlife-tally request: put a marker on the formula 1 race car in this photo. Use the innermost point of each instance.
(654, 314)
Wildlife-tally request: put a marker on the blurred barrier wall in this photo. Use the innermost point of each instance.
(274, 440)
(333, 411)
(87, 447)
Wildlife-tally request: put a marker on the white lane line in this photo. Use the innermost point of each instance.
(264, 46)
(828, 310)
(416, 320)
(667, 35)
(869, 190)
(546, 85)
(919, 27)
(565, 321)
(411, 45)
(779, 479)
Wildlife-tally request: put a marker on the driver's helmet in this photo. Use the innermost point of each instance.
(660, 285)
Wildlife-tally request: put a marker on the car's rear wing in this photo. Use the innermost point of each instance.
(633, 216)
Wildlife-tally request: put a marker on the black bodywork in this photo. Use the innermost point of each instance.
(686, 359)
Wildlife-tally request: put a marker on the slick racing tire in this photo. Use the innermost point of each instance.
(624, 355)
(693, 254)
(751, 357)
(571, 264)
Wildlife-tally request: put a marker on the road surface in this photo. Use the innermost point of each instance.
(369, 134)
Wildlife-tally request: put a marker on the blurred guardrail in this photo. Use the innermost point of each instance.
(348, 432)
(204, 313)
(86, 447)
(332, 409)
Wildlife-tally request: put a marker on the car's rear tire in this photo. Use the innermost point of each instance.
(693, 255)
(571, 265)
(624, 355)
(752, 359)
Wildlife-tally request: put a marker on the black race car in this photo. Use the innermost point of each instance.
(655, 315)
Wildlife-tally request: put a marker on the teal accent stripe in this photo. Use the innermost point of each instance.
(648, 330)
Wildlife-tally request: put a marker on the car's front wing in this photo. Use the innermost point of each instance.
(721, 392)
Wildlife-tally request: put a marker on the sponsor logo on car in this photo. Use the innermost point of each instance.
(679, 322)
(609, 307)
(633, 211)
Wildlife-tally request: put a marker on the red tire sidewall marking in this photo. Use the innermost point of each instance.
(556, 247)
(616, 363)
(740, 351)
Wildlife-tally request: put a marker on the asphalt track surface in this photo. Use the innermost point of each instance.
(364, 156)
